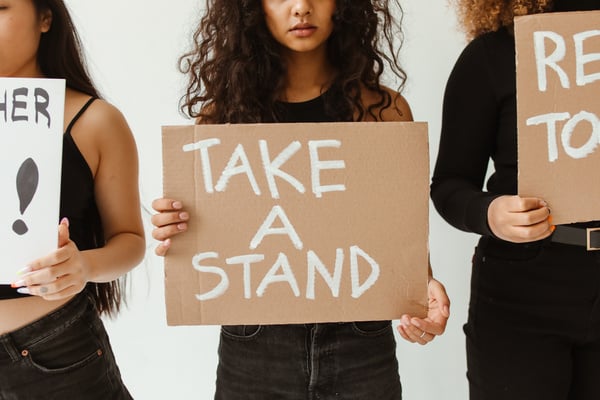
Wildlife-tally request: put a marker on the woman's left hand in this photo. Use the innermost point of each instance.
(423, 331)
(58, 275)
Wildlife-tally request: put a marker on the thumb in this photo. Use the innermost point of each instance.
(438, 292)
(63, 232)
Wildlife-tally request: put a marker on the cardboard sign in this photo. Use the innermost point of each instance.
(31, 127)
(295, 223)
(558, 86)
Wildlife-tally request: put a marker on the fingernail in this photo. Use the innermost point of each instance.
(184, 216)
(23, 290)
(182, 227)
(166, 243)
(553, 228)
(24, 271)
(17, 284)
(544, 203)
(177, 205)
(65, 221)
(550, 218)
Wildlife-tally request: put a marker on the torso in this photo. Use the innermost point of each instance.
(19, 312)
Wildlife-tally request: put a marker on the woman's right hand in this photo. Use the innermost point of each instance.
(170, 220)
(520, 219)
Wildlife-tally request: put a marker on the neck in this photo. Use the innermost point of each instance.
(308, 75)
(29, 71)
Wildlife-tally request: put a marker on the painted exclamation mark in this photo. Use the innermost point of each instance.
(27, 182)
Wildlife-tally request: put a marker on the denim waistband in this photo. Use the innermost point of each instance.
(11, 343)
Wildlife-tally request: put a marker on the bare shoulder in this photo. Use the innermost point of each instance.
(100, 117)
(100, 132)
(399, 109)
(104, 128)
(103, 117)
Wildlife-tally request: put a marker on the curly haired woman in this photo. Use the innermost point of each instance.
(533, 330)
(300, 61)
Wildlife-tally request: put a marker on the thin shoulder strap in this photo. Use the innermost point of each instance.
(81, 111)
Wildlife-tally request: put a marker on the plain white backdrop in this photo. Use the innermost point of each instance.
(132, 47)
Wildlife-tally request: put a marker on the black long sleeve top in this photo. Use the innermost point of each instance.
(479, 123)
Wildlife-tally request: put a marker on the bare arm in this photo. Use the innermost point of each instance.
(109, 149)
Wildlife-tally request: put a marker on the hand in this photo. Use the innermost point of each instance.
(423, 331)
(169, 221)
(520, 219)
(59, 275)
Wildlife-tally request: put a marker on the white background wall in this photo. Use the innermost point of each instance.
(132, 48)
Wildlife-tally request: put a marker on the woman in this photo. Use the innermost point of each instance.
(300, 61)
(533, 330)
(53, 343)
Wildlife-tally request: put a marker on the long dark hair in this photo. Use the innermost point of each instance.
(60, 55)
(236, 73)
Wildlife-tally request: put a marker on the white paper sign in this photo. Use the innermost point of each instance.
(31, 127)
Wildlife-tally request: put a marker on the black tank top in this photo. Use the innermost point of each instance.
(306, 111)
(77, 201)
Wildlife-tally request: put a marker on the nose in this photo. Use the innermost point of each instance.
(302, 8)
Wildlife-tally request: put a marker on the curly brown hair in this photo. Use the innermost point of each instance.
(481, 16)
(236, 72)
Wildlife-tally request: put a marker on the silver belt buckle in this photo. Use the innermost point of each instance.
(588, 231)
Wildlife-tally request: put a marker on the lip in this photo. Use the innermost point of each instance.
(303, 29)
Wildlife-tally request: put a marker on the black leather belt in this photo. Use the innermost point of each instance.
(586, 237)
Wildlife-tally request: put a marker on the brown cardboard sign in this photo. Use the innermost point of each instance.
(293, 223)
(558, 87)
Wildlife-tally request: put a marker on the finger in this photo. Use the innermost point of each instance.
(403, 333)
(66, 292)
(44, 276)
(165, 232)
(531, 217)
(446, 310)
(169, 218)
(162, 248)
(56, 257)
(520, 204)
(164, 204)
(63, 287)
(418, 336)
(63, 232)
(414, 333)
(63, 294)
(430, 327)
(532, 233)
(440, 296)
(48, 288)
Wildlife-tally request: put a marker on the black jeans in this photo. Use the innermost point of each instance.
(64, 355)
(533, 331)
(346, 361)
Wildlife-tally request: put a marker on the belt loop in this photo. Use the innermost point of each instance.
(588, 233)
(10, 347)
